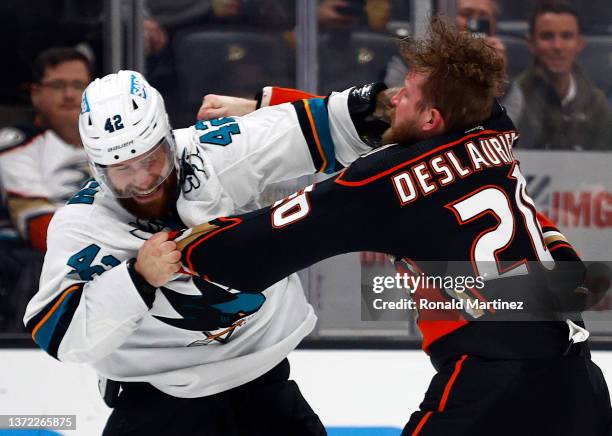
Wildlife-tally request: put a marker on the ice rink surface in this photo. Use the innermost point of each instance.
(356, 393)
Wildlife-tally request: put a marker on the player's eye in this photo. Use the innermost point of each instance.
(148, 161)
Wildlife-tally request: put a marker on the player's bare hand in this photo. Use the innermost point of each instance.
(329, 15)
(155, 37)
(158, 260)
(217, 106)
(383, 104)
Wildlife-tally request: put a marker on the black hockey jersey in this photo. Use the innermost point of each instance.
(456, 197)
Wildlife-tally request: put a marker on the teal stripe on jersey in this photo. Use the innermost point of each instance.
(48, 329)
(320, 117)
(51, 332)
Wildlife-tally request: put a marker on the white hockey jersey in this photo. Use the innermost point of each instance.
(197, 339)
(39, 172)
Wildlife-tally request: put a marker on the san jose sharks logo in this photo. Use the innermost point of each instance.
(143, 229)
(216, 312)
(192, 166)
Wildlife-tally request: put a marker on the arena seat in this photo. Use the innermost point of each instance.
(514, 9)
(517, 28)
(356, 58)
(518, 56)
(596, 60)
(227, 62)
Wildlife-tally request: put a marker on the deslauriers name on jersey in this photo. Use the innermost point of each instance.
(418, 179)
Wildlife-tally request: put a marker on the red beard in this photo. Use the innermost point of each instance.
(157, 208)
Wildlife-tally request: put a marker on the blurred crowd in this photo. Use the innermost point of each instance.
(558, 56)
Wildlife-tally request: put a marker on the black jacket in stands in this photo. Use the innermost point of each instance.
(455, 197)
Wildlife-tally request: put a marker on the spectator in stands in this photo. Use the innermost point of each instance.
(331, 14)
(183, 18)
(27, 27)
(477, 16)
(348, 14)
(12, 251)
(269, 14)
(43, 164)
(155, 37)
(553, 103)
(261, 14)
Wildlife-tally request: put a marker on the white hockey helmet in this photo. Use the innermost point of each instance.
(124, 127)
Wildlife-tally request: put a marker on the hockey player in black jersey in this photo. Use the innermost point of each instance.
(446, 188)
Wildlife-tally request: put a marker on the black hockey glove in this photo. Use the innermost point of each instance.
(369, 123)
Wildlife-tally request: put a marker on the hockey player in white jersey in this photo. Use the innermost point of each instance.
(168, 337)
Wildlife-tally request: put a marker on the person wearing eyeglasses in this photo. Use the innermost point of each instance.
(43, 164)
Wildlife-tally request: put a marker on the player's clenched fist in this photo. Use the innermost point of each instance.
(158, 260)
(217, 106)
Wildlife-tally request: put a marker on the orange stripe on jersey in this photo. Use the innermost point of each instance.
(193, 245)
(451, 382)
(313, 127)
(560, 246)
(408, 162)
(227, 330)
(544, 220)
(289, 95)
(53, 309)
(434, 330)
(418, 428)
(445, 395)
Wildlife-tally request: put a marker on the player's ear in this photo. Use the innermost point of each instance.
(434, 122)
